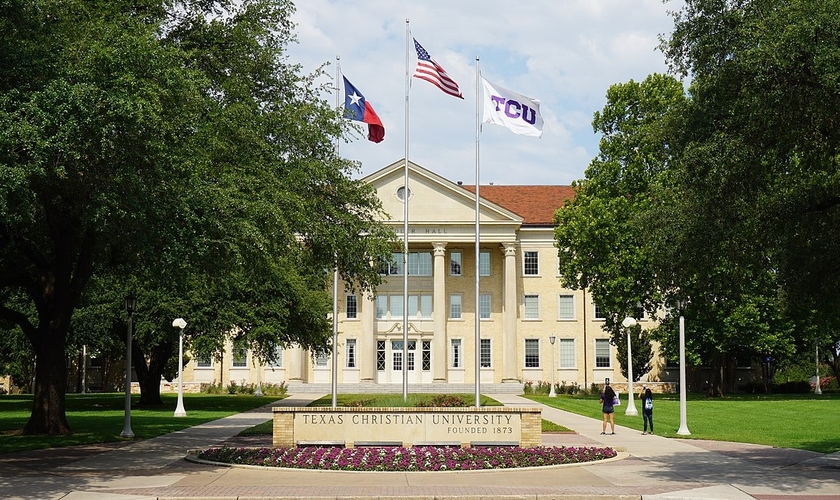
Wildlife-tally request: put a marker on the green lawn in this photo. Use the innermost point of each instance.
(99, 418)
(802, 421)
(788, 421)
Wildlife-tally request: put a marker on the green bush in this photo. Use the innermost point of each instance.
(445, 401)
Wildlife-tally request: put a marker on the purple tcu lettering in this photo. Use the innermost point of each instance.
(514, 109)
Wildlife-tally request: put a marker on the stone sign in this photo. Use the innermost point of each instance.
(396, 426)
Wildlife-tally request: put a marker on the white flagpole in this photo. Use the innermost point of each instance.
(405, 226)
(334, 384)
(477, 244)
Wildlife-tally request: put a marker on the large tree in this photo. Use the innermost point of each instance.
(622, 239)
(169, 148)
(600, 234)
(762, 143)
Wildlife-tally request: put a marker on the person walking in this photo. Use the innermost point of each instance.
(607, 407)
(646, 397)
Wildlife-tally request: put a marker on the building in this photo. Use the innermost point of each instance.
(521, 304)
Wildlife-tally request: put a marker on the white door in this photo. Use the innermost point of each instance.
(389, 361)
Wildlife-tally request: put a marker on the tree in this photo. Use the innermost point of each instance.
(765, 85)
(167, 147)
(600, 232)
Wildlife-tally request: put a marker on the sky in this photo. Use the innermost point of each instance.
(565, 53)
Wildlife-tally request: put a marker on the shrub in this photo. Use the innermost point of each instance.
(418, 458)
(212, 388)
(270, 389)
(443, 400)
(801, 387)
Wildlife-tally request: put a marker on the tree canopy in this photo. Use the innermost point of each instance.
(730, 208)
(169, 148)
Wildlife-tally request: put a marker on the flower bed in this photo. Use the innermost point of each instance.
(418, 458)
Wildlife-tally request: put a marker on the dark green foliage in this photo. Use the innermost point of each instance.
(168, 149)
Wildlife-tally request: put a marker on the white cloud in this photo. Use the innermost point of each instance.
(564, 53)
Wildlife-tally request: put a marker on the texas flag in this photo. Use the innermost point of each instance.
(357, 108)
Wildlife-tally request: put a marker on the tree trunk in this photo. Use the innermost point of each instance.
(715, 387)
(149, 375)
(48, 404)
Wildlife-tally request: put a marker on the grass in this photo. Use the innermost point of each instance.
(99, 418)
(801, 421)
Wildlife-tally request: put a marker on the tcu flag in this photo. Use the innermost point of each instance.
(517, 113)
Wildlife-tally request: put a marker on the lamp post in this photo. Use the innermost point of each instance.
(817, 389)
(628, 323)
(683, 430)
(84, 367)
(551, 392)
(130, 304)
(179, 409)
(259, 392)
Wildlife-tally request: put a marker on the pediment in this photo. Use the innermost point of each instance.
(434, 201)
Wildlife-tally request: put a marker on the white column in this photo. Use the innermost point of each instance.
(511, 363)
(439, 306)
(296, 355)
(367, 342)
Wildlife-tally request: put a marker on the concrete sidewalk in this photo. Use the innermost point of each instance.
(653, 467)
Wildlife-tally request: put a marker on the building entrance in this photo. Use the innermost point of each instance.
(390, 363)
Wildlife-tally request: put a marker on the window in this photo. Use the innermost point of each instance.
(322, 359)
(240, 356)
(412, 348)
(455, 353)
(566, 307)
(532, 353)
(599, 314)
(486, 353)
(391, 306)
(394, 267)
(532, 307)
(639, 312)
(397, 354)
(350, 353)
(484, 263)
(484, 306)
(351, 306)
(455, 263)
(426, 355)
(381, 306)
(567, 353)
(200, 361)
(419, 304)
(380, 355)
(278, 358)
(395, 306)
(455, 306)
(532, 263)
(602, 353)
(420, 264)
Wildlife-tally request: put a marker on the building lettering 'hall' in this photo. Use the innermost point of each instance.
(521, 304)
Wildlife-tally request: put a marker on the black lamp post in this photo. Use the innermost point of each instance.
(130, 304)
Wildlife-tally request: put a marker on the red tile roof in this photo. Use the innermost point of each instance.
(535, 204)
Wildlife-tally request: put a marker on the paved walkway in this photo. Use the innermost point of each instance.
(652, 468)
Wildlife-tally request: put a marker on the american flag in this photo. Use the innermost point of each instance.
(427, 69)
